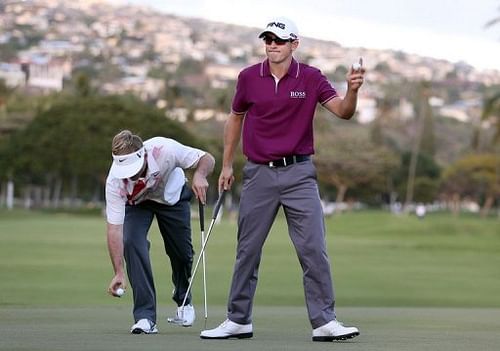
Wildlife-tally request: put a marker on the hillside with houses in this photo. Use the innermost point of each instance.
(45, 44)
(429, 118)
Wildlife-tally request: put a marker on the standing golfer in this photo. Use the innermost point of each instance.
(274, 106)
(147, 180)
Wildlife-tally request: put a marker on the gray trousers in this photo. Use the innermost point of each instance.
(174, 223)
(264, 190)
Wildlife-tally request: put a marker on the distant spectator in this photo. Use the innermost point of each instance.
(420, 211)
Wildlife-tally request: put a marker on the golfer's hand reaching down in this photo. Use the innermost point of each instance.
(118, 281)
(204, 167)
(199, 187)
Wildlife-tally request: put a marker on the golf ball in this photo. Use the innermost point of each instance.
(356, 66)
(120, 292)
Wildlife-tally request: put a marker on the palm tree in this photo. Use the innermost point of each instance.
(494, 21)
(491, 112)
(423, 115)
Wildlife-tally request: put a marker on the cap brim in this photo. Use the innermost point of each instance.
(261, 35)
(127, 171)
(128, 165)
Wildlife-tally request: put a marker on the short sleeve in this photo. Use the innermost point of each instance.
(185, 156)
(240, 104)
(115, 204)
(326, 91)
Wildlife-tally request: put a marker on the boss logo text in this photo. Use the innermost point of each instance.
(298, 94)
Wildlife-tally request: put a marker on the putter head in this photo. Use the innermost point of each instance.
(184, 316)
(176, 320)
(179, 317)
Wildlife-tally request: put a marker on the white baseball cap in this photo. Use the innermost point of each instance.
(126, 166)
(282, 27)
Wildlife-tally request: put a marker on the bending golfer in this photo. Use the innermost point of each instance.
(274, 106)
(147, 180)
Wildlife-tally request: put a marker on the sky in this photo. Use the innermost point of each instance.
(448, 29)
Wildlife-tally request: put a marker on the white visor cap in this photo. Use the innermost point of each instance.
(126, 166)
(282, 27)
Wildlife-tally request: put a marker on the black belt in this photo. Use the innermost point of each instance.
(286, 161)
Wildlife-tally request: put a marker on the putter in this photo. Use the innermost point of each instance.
(180, 319)
(201, 210)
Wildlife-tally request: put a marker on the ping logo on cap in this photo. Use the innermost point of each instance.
(276, 24)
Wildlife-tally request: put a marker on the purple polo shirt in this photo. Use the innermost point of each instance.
(279, 117)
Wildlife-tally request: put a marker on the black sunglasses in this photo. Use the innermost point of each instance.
(277, 41)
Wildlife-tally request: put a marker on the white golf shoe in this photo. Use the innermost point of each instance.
(144, 326)
(228, 329)
(334, 330)
(184, 316)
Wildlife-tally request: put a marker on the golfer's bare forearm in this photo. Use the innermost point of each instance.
(205, 165)
(348, 105)
(115, 246)
(232, 135)
(343, 108)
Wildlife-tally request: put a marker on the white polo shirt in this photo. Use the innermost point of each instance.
(164, 177)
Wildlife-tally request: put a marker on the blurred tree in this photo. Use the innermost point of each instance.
(382, 67)
(70, 142)
(158, 72)
(339, 75)
(5, 92)
(190, 67)
(491, 113)
(387, 113)
(345, 161)
(423, 138)
(173, 94)
(221, 99)
(8, 52)
(82, 85)
(426, 189)
(473, 176)
(426, 180)
(110, 72)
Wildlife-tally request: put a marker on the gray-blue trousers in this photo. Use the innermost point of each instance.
(264, 190)
(174, 223)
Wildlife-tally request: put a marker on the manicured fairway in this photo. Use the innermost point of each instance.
(409, 284)
(275, 328)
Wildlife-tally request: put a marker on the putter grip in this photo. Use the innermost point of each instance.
(202, 216)
(218, 204)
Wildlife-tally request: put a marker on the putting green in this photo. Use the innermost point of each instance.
(275, 328)
(407, 284)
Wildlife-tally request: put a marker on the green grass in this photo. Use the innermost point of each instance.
(378, 259)
(275, 328)
(408, 284)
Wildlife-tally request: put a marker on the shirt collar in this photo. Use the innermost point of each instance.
(293, 70)
(153, 168)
